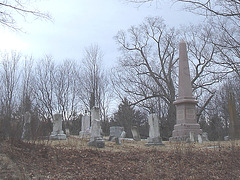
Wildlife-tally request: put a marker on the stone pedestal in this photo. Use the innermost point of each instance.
(85, 126)
(57, 133)
(186, 121)
(154, 134)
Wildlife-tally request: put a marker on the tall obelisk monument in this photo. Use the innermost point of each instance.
(186, 121)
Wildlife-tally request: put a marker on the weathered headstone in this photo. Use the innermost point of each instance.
(123, 134)
(95, 129)
(96, 139)
(226, 138)
(67, 131)
(115, 134)
(115, 131)
(85, 125)
(200, 140)
(191, 137)
(154, 134)
(26, 133)
(135, 133)
(186, 121)
(205, 136)
(57, 133)
(234, 128)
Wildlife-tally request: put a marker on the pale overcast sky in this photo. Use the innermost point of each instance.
(79, 23)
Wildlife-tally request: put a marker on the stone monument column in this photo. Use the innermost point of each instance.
(186, 121)
(85, 125)
(27, 133)
(96, 138)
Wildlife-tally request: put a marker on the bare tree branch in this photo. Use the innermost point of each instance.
(10, 10)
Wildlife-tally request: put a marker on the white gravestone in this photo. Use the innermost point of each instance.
(200, 140)
(205, 136)
(135, 133)
(154, 134)
(26, 134)
(96, 138)
(85, 127)
(191, 136)
(122, 136)
(67, 131)
(57, 133)
(95, 130)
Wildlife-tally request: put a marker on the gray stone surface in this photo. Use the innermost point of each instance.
(57, 133)
(95, 129)
(99, 143)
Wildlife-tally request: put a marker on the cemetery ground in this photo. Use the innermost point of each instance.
(73, 159)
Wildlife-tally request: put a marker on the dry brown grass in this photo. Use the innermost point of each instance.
(73, 159)
(74, 142)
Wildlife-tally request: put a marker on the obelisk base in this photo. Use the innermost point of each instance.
(182, 132)
(186, 120)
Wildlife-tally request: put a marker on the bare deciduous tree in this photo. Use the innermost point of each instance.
(44, 86)
(227, 42)
(147, 67)
(228, 8)
(9, 87)
(66, 89)
(11, 9)
(94, 82)
(27, 84)
(92, 76)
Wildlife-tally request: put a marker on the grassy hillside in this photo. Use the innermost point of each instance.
(73, 159)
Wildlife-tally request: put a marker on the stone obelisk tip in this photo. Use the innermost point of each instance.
(185, 87)
(182, 41)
